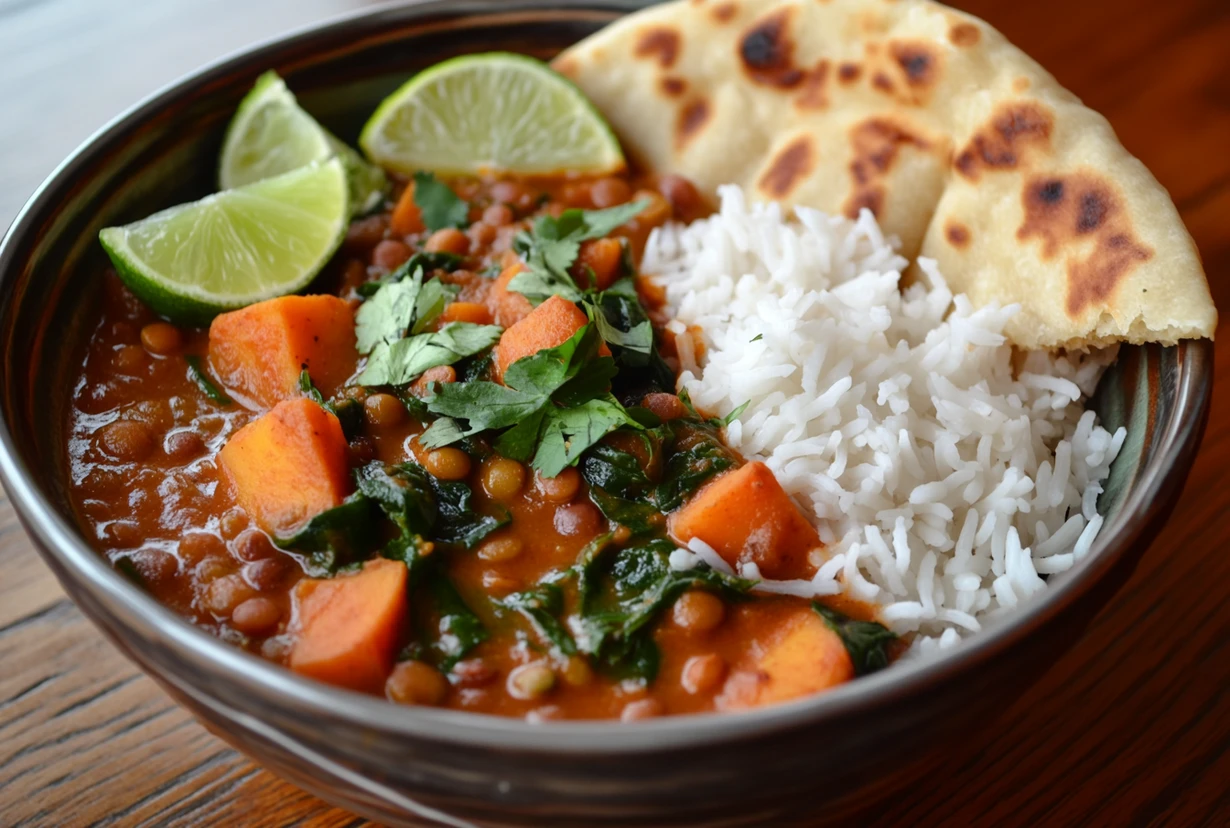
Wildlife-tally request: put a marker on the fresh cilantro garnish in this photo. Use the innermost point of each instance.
(553, 245)
(207, 386)
(399, 306)
(404, 360)
(439, 205)
(552, 409)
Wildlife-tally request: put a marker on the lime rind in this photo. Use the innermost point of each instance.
(237, 247)
(493, 112)
(270, 134)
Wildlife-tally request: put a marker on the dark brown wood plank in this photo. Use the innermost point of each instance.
(1130, 728)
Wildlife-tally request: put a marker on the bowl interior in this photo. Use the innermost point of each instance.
(164, 152)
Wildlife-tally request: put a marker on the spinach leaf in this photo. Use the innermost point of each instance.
(404, 493)
(456, 521)
(336, 537)
(406, 359)
(641, 584)
(615, 471)
(866, 641)
(687, 469)
(440, 206)
(207, 386)
(459, 630)
(639, 517)
(542, 607)
(622, 321)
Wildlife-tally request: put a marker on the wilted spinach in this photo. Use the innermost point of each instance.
(866, 641)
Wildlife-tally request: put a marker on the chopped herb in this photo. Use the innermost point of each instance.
(866, 641)
(553, 245)
(640, 585)
(639, 517)
(336, 537)
(405, 360)
(349, 413)
(207, 386)
(128, 568)
(460, 629)
(619, 472)
(552, 411)
(756, 338)
(542, 607)
(688, 468)
(440, 206)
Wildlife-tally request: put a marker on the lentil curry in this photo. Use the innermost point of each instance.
(455, 474)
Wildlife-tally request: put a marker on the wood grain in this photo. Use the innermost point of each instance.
(1132, 727)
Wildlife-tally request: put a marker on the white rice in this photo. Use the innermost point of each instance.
(945, 483)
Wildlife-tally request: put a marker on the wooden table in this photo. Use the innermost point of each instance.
(1131, 727)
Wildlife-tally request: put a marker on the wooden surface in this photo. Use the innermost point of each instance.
(1132, 727)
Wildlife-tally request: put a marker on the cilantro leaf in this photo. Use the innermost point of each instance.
(568, 432)
(430, 302)
(404, 360)
(484, 404)
(518, 442)
(388, 313)
(428, 261)
(440, 206)
(444, 431)
(554, 244)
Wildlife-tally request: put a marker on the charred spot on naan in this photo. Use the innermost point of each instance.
(814, 92)
(673, 87)
(919, 61)
(958, 234)
(692, 119)
(875, 142)
(1017, 128)
(789, 166)
(964, 35)
(849, 73)
(1074, 210)
(766, 51)
(660, 43)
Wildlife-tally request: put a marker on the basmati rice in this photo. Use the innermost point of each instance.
(945, 479)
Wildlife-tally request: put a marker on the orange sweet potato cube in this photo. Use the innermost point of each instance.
(349, 627)
(803, 657)
(259, 351)
(551, 324)
(746, 516)
(288, 466)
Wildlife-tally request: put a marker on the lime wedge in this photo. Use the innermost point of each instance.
(490, 112)
(233, 248)
(271, 134)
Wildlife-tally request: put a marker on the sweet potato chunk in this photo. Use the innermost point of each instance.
(802, 658)
(349, 626)
(407, 218)
(471, 312)
(746, 516)
(551, 324)
(507, 306)
(288, 466)
(259, 351)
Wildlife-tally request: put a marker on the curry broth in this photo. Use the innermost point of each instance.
(144, 436)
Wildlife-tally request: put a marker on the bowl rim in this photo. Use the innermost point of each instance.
(59, 540)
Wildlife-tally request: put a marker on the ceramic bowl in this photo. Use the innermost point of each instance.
(400, 765)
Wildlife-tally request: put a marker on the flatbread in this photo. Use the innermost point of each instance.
(962, 146)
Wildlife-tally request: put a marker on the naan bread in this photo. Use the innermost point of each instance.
(962, 146)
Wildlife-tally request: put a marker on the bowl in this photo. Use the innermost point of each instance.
(815, 757)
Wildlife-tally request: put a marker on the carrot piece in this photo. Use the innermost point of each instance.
(349, 626)
(259, 351)
(465, 312)
(604, 257)
(288, 466)
(551, 324)
(407, 218)
(507, 306)
(745, 515)
(804, 657)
